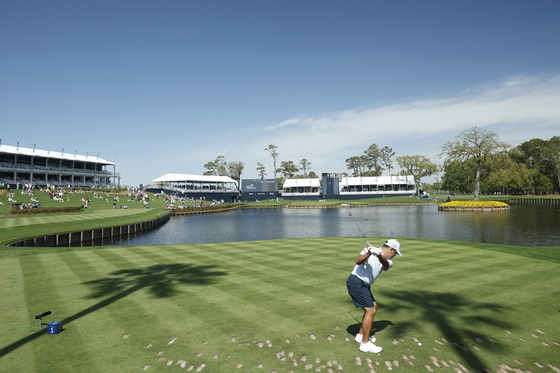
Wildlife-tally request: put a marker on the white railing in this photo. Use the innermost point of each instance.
(26, 167)
(376, 192)
(294, 194)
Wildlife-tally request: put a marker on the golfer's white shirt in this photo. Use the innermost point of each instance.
(370, 269)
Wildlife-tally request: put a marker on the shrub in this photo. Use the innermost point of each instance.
(474, 204)
(46, 210)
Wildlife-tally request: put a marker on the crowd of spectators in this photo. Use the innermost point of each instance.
(62, 194)
(176, 202)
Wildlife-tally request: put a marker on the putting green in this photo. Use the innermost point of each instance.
(278, 305)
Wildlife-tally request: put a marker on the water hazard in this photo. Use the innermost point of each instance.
(522, 225)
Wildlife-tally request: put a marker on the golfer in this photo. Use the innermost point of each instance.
(369, 264)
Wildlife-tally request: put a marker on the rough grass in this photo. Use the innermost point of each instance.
(278, 305)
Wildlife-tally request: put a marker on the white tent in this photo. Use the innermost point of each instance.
(173, 177)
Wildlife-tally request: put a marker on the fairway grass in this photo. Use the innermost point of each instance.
(278, 306)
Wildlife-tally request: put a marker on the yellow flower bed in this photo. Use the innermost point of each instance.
(474, 204)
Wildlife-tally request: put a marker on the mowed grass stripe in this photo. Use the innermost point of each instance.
(288, 299)
(266, 270)
(182, 293)
(114, 258)
(15, 314)
(12, 294)
(121, 310)
(524, 282)
(249, 291)
(155, 256)
(206, 327)
(286, 255)
(285, 277)
(224, 302)
(228, 260)
(501, 285)
(294, 283)
(96, 266)
(173, 311)
(52, 287)
(86, 316)
(220, 307)
(193, 253)
(497, 269)
(456, 271)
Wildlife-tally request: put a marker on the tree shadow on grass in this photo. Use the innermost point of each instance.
(160, 280)
(457, 318)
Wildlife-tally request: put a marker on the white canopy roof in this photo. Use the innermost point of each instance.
(53, 154)
(294, 183)
(377, 180)
(173, 177)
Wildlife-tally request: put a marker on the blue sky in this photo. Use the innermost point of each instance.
(166, 86)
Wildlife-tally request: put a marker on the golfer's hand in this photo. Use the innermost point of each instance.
(375, 251)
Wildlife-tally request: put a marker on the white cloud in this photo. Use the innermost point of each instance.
(511, 105)
(519, 108)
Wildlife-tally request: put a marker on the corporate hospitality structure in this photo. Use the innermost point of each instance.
(196, 186)
(336, 187)
(376, 186)
(20, 165)
(331, 186)
(301, 189)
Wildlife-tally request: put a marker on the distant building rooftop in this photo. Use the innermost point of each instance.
(18, 150)
(173, 177)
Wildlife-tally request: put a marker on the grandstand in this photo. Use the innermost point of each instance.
(196, 186)
(301, 189)
(20, 165)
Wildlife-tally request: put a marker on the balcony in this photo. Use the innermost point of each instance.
(61, 170)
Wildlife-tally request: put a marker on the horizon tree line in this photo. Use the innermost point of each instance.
(476, 161)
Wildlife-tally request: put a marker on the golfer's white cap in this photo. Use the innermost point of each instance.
(395, 245)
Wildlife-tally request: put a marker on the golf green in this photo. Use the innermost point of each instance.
(278, 306)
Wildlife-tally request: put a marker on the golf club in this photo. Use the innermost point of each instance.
(363, 235)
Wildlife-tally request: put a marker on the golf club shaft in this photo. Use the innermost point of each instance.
(362, 232)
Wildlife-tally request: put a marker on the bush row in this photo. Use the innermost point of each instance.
(46, 210)
(474, 204)
(224, 206)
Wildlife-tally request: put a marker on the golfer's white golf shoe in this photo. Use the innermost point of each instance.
(370, 347)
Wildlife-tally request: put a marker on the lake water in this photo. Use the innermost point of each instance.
(522, 225)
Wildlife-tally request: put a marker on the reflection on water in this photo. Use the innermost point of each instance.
(522, 225)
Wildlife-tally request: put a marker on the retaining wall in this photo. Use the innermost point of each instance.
(535, 201)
